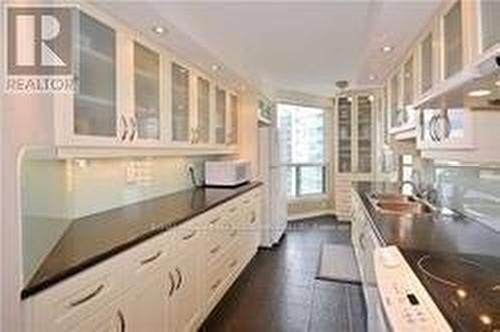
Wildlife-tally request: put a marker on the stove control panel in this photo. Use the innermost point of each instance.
(407, 305)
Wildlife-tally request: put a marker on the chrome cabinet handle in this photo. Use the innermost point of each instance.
(172, 284)
(232, 209)
(233, 263)
(361, 241)
(124, 124)
(179, 281)
(246, 201)
(152, 258)
(123, 326)
(215, 249)
(216, 284)
(233, 234)
(134, 126)
(254, 217)
(87, 297)
(190, 235)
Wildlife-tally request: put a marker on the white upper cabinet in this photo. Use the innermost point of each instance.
(426, 63)
(489, 24)
(452, 41)
(146, 119)
(204, 105)
(233, 119)
(181, 104)
(221, 107)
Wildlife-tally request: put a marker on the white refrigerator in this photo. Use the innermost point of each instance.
(273, 175)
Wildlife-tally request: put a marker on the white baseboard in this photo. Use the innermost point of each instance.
(300, 216)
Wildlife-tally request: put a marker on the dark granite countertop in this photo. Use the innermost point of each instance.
(92, 239)
(458, 249)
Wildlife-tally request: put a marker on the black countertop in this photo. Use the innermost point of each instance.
(92, 239)
(463, 254)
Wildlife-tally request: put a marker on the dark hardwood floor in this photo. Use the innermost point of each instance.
(278, 290)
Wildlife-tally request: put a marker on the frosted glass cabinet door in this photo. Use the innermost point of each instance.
(203, 114)
(364, 134)
(426, 70)
(95, 99)
(180, 104)
(452, 25)
(220, 115)
(233, 134)
(344, 135)
(147, 92)
(490, 23)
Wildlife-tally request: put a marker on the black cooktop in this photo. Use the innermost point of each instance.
(466, 288)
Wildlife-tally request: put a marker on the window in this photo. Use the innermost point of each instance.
(303, 149)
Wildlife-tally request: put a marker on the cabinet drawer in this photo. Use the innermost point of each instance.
(190, 234)
(78, 297)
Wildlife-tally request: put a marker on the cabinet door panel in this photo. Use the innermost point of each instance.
(452, 35)
(426, 59)
(344, 135)
(147, 92)
(233, 131)
(220, 115)
(364, 134)
(95, 100)
(490, 24)
(180, 104)
(203, 110)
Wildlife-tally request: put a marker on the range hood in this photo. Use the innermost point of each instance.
(483, 75)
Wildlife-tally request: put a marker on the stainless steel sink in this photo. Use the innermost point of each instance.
(396, 203)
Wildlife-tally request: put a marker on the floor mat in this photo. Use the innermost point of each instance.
(338, 263)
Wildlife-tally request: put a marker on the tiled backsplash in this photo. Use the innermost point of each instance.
(56, 191)
(472, 190)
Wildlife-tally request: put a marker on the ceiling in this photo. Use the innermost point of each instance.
(292, 46)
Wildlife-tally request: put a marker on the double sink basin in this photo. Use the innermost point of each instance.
(396, 203)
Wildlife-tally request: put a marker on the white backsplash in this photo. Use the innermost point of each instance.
(54, 192)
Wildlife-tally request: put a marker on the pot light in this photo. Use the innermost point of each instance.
(479, 93)
(371, 77)
(216, 67)
(158, 30)
(386, 49)
(497, 83)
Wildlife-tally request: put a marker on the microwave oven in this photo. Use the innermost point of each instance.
(229, 173)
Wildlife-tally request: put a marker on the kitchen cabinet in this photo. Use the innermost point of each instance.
(489, 12)
(427, 67)
(181, 104)
(233, 119)
(166, 283)
(452, 41)
(204, 97)
(220, 115)
(146, 120)
(355, 138)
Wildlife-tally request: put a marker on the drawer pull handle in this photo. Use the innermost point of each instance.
(215, 249)
(254, 218)
(233, 263)
(123, 325)
(214, 221)
(216, 284)
(87, 297)
(233, 234)
(179, 281)
(152, 258)
(232, 209)
(246, 201)
(172, 284)
(190, 235)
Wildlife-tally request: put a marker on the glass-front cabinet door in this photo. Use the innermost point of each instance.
(364, 144)
(426, 64)
(452, 40)
(490, 24)
(220, 115)
(180, 112)
(233, 116)
(344, 135)
(146, 118)
(95, 100)
(203, 114)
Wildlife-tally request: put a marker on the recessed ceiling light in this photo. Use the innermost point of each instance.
(386, 48)
(479, 93)
(158, 30)
(216, 67)
(371, 77)
(497, 83)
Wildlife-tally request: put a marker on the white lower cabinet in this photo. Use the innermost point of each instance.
(168, 283)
